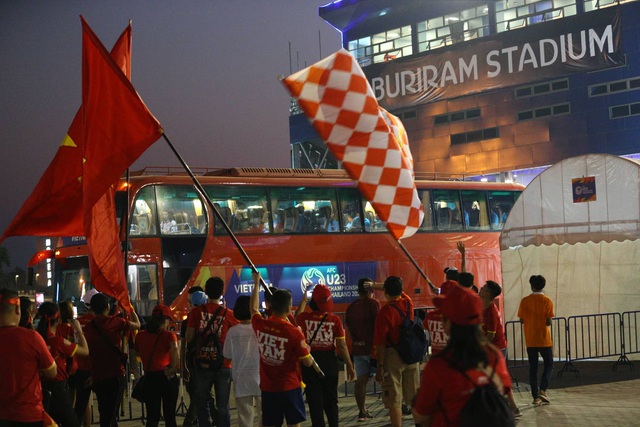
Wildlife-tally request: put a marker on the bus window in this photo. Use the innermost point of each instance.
(304, 210)
(425, 199)
(179, 210)
(474, 210)
(143, 222)
(143, 287)
(351, 206)
(243, 208)
(500, 204)
(377, 224)
(446, 205)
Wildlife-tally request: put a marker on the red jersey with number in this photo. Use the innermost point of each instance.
(438, 337)
(161, 356)
(328, 330)
(491, 323)
(24, 355)
(200, 316)
(281, 346)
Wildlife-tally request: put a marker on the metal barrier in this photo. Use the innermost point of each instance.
(517, 348)
(630, 338)
(590, 336)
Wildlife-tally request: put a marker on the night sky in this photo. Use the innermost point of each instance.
(207, 69)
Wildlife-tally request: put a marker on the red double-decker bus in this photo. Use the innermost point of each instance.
(300, 227)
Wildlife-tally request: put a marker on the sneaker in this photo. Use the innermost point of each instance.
(406, 410)
(517, 413)
(542, 395)
(364, 416)
(537, 401)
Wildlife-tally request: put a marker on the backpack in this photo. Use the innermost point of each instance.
(208, 351)
(486, 407)
(412, 341)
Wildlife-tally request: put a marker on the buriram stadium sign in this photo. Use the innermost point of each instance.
(586, 42)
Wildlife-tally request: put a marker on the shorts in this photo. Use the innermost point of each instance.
(363, 366)
(400, 381)
(283, 405)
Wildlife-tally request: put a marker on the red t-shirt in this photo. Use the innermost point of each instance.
(24, 355)
(65, 330)
(145, 341)
(281, 346)
(360, 319)
(491, 322)
(446, 390)
(84, 363)
(330, 330)
(105, 362)
(61, 348)
(200, 316)
(433, 324)
(389, 319)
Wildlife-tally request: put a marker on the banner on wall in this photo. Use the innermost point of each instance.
(585, 42)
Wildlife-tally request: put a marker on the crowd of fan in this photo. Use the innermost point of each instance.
(275, 359)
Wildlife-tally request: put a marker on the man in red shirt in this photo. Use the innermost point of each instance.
(398, 379)
(360, 319)
(199, 319)
(282, 349)
(104, 335)
(24, 358)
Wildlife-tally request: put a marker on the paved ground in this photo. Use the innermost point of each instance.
(598, 396)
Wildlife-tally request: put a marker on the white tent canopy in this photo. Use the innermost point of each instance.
(578, 225)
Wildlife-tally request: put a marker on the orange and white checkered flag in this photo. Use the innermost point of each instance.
(335, 95)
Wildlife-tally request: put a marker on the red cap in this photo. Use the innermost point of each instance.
(162, 310)
(460, 305)
(322, 298)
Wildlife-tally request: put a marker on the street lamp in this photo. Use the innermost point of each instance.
(17, 275)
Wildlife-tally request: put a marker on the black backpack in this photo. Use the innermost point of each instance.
(208, 351)
(486, 407)
(412, 341)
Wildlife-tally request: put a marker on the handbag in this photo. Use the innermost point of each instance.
(140, 391)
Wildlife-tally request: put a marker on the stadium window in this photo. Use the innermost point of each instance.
(553, 110)
(474, 136)
(457, 116)
(614, 87)
(542, 88)
(619, 111)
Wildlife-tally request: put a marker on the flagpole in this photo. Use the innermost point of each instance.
(422, 273)
(215, 210)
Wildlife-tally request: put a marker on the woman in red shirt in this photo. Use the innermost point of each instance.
(60, 406)
(158, 350)
(468, 361)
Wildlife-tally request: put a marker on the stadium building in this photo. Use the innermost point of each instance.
(495, 90)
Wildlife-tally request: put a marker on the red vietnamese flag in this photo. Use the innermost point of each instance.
(117, 126)
(336, 97)
(117, 129)
(54, 207)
